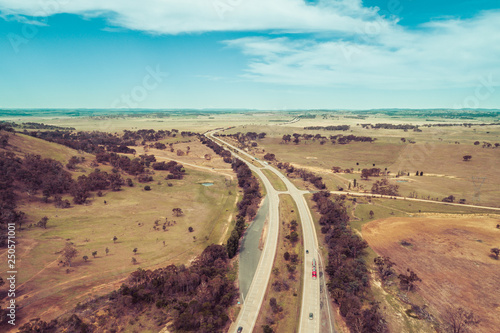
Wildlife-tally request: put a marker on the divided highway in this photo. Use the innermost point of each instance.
(311, 287)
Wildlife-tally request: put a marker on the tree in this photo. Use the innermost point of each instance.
(177, 212)
(43, 222)
(495, 252)
(107, 251)
(286, 138)
(384, 265)
(286, 256)
(459, 320)
(384, 187)
(134, 250)
(94, 253)
(371, 214)
(85, 258)
(467, 158)
(450, 198)
(190, 229)
(134, 261)
(408, 281)
(115, 239)
(69, 252)
(365, 173)
(267, 329)
(147, 188)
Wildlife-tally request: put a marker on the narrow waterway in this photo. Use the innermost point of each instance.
(249, 250)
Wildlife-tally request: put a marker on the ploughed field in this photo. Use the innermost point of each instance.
(452, 257)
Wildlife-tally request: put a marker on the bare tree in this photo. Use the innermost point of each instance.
(459, 320)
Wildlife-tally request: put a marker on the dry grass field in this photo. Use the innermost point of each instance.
(22, 144)
(441, 160)
(46, 289)
(451, 256)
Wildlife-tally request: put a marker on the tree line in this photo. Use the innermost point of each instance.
(334, 139)
(329, 128)
(404, 127)
(348, 276)
(194, 298)
(98, 142)
(306, 175)
(249, 204)
(31, 125)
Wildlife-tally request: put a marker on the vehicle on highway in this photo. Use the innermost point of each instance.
(311, 316)
(307, 251)
(314, 275)
(240, 329)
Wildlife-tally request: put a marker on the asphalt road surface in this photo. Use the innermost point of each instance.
(311, 286)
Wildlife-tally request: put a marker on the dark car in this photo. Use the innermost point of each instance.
(240, 329)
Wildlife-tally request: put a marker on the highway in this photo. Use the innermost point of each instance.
(311, 287)
(255, 296)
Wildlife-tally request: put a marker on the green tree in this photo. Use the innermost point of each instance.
(69, 252)
(94, 253)
(107, 251)
(134, 261)
(43, 222)
(134, 250)
(85, 258)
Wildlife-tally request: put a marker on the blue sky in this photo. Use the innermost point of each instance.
(284, 54)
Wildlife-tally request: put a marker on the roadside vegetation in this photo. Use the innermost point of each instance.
(280, 311)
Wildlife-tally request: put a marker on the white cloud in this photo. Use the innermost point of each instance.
(191, 16)
(352, 46)
(444, 54)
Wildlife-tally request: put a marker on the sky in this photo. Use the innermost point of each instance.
(255, 54)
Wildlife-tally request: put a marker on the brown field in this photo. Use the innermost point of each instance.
(451, 256)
